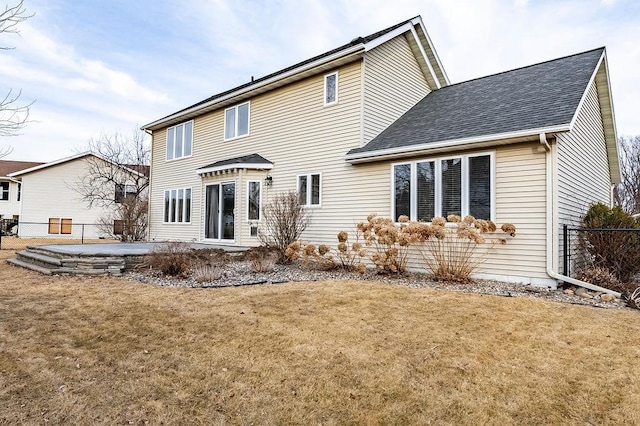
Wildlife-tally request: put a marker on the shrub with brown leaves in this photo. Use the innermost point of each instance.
(262, 258)
(173, 259)
(348, 256)
(458, 249)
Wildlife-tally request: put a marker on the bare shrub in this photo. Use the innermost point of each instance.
(171, 259)
(284, 221)
(611, 240)
(262, 259)
(601, 277)
(454, 252)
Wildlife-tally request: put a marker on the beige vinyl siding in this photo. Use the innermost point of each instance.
(520, 188)
(583, 168)
(173, 174)
(393, 83)
(521, 200)
(289, 126)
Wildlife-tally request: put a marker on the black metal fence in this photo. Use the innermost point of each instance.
(605, 257)
(16, 235)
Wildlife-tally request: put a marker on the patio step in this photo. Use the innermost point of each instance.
(30, 266)
(48, 262)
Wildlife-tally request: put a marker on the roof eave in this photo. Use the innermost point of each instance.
(251, 166)
(341, 57)
(460, 144)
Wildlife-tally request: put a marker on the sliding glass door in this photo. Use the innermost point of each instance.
(219, 211)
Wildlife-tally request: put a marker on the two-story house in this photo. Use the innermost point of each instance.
(376, 126)
(10, 188)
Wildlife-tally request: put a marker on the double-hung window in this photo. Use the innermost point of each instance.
(309, 188)
(180, 141)
(236, 121)
(331, 88)
(4, 191)
(461, 185)
(177, 205)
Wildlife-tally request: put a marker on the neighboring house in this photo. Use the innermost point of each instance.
(10, 190)
(375, 126)
(51, 206)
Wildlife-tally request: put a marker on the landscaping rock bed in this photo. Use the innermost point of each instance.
(239, 274)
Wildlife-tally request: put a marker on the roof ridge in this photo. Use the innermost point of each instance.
(354, 42)
(524, 67)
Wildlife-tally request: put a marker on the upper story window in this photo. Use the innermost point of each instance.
(309, 189)
(331, 88)
(179, 140)
(236, 121)
(4, 191)
(124, 191)
(431, 188)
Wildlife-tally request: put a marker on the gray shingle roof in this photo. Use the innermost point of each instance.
(541, 95)
(245, 159)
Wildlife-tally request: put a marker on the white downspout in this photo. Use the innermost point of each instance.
(551, 182)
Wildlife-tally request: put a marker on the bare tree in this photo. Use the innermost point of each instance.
(627, 193)
(117, 180)
(13, 117)
(285, 218)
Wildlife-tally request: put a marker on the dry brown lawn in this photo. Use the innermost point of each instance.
(106, 350)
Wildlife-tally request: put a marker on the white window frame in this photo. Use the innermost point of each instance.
(184, 127)
(8, 191)
(464, 184)
(235, 130)
(184, 206)
(324, 92)
(309, 186)
(259, 182)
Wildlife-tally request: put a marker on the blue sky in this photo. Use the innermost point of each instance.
(95, 66)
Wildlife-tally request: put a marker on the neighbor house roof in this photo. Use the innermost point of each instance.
(8, 166)
(140, 170)
(331, 59)
(251, 161)
(538, 98)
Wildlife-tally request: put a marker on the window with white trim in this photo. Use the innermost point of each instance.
(4, 191)
(331, 88)
(309, 188)
(429, 188)
(236, 121)
(123, 192)
(254, 199)
(177, 205)
(180, 140)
